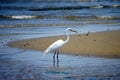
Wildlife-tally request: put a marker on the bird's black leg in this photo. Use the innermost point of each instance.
(57, 59)
(54, 58)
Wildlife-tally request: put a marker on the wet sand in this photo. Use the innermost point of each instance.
(101, 44)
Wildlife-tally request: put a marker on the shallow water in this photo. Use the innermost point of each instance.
(70, 67)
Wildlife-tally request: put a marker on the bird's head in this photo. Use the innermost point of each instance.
(72, 30)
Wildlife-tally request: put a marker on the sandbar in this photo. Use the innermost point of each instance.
(100, 44)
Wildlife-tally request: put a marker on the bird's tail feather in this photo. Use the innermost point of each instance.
(45, 52)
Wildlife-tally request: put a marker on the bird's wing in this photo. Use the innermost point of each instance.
(54, 46)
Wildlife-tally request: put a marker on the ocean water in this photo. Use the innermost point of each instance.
(30, 13)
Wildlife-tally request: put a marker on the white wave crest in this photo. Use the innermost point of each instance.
(22, 17)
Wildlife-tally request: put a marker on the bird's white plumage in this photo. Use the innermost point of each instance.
(59, 43)
(56, 45)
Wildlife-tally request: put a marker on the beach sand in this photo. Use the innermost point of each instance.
(101, 44)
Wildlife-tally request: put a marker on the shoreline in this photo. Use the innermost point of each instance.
(100, 44)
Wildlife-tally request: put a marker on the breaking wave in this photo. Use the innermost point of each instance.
(58, 7)
(73, 7)
(20, 17)
(68, 17)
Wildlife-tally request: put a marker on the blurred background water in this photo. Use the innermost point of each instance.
(30, 13)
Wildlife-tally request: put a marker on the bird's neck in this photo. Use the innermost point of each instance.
(68, 37)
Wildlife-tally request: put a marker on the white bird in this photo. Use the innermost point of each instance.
(58, 44)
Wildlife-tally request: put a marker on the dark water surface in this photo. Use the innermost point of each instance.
(58, 12)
